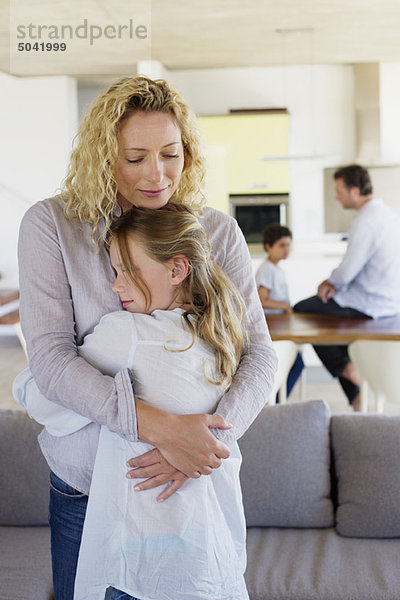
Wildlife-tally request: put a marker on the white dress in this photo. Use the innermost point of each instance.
(192, 546)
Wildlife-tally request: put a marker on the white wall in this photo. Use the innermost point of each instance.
(39, 120)
(389, 101)
(320, 100)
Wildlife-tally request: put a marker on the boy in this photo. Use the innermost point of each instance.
(272, 286)
(270, 278)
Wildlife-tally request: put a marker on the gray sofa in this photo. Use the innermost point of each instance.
(321, 497)
(25, 566)
(322, 503)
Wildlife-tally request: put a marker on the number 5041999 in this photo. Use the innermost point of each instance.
(42, 47)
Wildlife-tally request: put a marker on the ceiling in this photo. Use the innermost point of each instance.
(197, 34)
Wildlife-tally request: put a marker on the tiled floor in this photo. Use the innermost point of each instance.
(319, 384)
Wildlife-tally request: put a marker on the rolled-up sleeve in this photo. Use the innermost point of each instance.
(48, 319)
(254, 378)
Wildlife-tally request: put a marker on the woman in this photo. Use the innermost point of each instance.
(137, 146)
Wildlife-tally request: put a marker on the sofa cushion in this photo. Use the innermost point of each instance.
(319, 564)
(285, 473)
(24, 474)
(366, 452)
(25, 563)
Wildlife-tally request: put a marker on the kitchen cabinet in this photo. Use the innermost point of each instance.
(253, 144)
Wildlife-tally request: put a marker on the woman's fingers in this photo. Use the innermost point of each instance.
(151, 471)
(153, 482)
(171, 489)
(165, 470)
(161, 472)
(217, 422)
(151, 457)
(150, 464)
(215, 462)
(205, 471)
(176, 481)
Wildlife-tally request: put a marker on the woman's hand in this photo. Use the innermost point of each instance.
(189, 445)
(153, 465)
(185, 441)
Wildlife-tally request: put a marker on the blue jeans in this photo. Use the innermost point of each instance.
(293, 376)
(294, 373)
(67, 510)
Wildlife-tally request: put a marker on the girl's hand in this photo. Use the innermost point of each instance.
(153, 465)
(185, 441)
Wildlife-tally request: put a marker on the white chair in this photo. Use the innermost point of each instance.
(378, 363)
(18, 331)
(286, 352)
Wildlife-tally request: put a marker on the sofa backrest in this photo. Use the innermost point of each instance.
(366, 450)
(285, 473)
(24, 474)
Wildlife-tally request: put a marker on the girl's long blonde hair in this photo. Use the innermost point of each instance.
(89, 189)
(213, 299)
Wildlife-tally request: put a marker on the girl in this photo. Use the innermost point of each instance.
(181, 335)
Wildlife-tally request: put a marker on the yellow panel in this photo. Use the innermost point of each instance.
(216, 188)
(248, 140)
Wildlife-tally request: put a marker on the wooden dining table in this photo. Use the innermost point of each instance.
(310, 328)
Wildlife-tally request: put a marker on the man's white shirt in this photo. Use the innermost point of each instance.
(368, 278)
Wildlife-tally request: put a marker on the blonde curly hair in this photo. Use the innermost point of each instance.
(89, 189)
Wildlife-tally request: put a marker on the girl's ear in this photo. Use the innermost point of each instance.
(179, 269)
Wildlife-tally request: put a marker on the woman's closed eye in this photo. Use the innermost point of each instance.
(135, 161)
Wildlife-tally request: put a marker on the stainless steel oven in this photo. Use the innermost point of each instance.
(254, 212)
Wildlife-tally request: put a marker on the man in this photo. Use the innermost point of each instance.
(367, 281)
